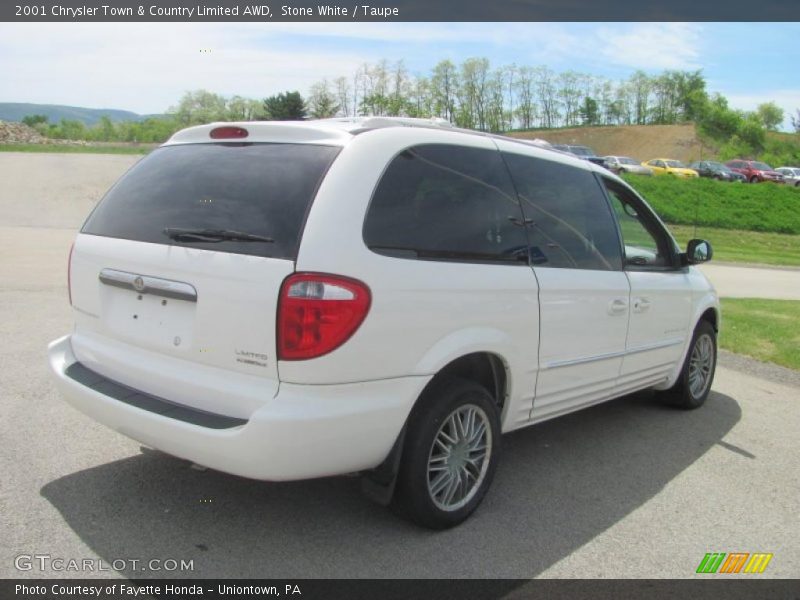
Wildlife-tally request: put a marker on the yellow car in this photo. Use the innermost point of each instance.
(669, 166)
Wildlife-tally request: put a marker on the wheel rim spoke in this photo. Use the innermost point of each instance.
(459, 457)
(700, 365)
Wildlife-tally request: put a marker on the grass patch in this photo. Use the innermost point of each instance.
(75, 149)
(752, 207)
(731, 245)
(768, 330)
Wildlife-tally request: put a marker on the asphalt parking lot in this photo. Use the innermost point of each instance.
(625, 489)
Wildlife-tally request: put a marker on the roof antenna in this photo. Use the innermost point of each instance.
(697, 196)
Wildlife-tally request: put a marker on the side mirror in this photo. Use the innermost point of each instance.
(697, 251)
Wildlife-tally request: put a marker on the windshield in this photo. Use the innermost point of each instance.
(762, 166)
(581, 151)
(675, 164)
(626, 160)
(239, 198)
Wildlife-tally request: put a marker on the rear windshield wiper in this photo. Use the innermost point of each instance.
(213, 235)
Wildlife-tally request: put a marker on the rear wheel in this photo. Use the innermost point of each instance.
(694, 383)
(450, 454)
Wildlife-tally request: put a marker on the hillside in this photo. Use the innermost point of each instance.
(642, 142)
(15, 111)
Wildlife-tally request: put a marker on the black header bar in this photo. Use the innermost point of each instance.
(711, 588)
(260, 11)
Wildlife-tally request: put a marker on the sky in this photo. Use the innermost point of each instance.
(146, 67)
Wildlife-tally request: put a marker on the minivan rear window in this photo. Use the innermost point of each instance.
(259, 189)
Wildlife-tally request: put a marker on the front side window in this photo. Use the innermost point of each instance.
(568, 220)
(644, 244)
(447, 202)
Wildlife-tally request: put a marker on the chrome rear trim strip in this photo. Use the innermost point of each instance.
(144, 284)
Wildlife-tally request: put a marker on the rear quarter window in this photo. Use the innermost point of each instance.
(262, 189)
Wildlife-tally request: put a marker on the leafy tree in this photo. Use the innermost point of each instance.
(590, 115)
(68, 129)
(34, 120)
(796, 121)
(104, 130)
(569, 93)
(444, 82)
(286, 106)
(717, 120)
(198, 107)
(641, 87)
(321, 101)
(243, 109)
(692, 95)
(751, 131)
(526, 110)
(770, 115)
(545, 84)
(342, 86)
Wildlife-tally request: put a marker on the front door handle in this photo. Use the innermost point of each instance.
(618, 306)
(640, 305)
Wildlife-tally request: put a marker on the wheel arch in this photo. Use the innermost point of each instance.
(707, 311)
(486, 368)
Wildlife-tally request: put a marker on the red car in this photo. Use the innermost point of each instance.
(754, 171)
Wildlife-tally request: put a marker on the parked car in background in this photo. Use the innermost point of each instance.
(478, 285)
(791, 175)
(755, 171)
(626, 164)
(583, 152)
(670, 166)
(716, 170)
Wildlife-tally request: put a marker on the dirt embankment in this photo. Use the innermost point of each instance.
(19, 133)
(642, 142)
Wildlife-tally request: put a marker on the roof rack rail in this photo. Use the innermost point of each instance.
(358, 125)
(372, 122)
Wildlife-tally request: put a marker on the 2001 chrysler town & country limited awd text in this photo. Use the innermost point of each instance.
(386, 296)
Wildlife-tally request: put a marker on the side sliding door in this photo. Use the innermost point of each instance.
(576, 256)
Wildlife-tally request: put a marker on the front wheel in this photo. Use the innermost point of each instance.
(450, 454)
(754, 179)
(694, 383)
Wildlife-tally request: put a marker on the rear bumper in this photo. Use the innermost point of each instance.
(306, 431)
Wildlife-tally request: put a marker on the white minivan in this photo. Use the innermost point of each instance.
(385, 296)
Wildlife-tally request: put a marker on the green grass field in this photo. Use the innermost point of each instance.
(756, 247)
(749, 207)
(75, 149)
(768, 330)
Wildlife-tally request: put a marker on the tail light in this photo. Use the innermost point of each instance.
(69, 273)
(318, 313)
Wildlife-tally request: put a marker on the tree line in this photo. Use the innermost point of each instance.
(472, 95)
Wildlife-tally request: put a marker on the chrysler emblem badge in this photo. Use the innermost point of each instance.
(138, 284)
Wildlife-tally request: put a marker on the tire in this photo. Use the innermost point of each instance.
(697, 375)
(754, 179)
(442, 478)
